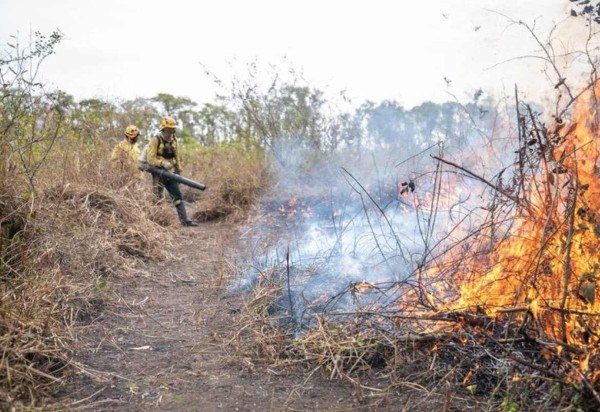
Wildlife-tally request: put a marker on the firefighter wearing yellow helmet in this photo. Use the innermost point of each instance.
(125, 154)
(163, 151)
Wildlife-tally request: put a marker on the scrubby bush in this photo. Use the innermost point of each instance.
(235, 176)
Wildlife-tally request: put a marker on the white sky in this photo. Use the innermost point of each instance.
(373, 49)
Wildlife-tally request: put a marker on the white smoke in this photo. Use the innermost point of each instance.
(337, 222)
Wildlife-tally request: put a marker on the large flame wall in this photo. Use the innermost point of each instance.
(549, 263)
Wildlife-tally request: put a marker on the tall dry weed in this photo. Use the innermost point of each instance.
(235, 178)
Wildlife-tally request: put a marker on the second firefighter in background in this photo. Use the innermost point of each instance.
(163, 151)
(124, 156)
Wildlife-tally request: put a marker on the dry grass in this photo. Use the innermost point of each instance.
(59, 251)
(466, 361)
(258, 330)
(73, 244)
(63, 246)
(235, 179)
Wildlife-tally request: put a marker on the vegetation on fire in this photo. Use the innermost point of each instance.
(500, 314)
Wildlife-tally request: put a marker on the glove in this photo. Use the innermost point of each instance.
(167, 165)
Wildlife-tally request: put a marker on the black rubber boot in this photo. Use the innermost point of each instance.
(183, 216)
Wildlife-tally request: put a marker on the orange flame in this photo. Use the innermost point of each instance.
(549, 264)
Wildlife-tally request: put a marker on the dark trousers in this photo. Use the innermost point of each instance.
(160, 183)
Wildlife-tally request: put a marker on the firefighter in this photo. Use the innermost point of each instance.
(163, 151)
(125, 155)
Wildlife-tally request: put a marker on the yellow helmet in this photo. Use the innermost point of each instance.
(132, 131)
(167, 123)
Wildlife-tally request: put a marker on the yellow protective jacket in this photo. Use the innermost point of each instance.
(155, 151)
(125, 156)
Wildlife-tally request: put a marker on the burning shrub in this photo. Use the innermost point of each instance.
(503, 296)
(543, 272)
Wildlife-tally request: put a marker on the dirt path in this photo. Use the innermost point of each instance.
(166, 350)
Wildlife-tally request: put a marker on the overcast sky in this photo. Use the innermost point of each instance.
(372, 49)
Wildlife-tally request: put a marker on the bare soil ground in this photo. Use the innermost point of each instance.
(162, 344)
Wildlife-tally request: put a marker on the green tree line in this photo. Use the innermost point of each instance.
(33, 119)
